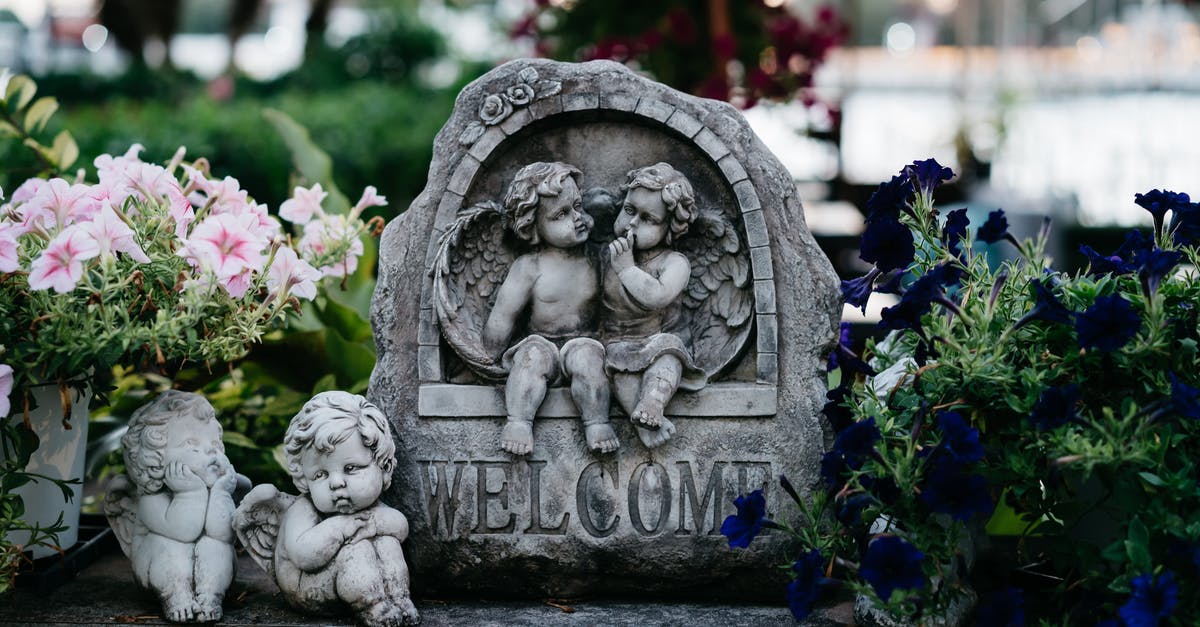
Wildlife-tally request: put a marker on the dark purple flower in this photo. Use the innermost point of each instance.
(883, 488)
(858, 440)
(844, 357)
(1185, 399)
(1151, 599)
(808, 574)
(891, 564)
(959, 439)
(1046, 307)
(1159, 202)
(948, 489)
(1055, 407)
(1121, 261)
(994, 229)
(947, 274)
(849, 509)
(856, 292)
(1003, 608)
(1154, 264)
(836, 469)
(843, 340)
(749, 520)
(915, 303)
(955, 230)
(835, 409)
(1185, 225)
(1108, 324)
(927, 175)
(887, 243)
(890, 198)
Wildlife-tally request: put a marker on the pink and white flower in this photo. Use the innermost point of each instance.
(6, 387)
(332, 233)
(289, 274)
(225, 245)
(9, 261)
(303, 205)
(60, 266)
(58, 204)
(238, 284)
(112, 235)
(180, 210)
(369, 199)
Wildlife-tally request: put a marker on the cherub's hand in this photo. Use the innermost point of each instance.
(369, 528)
(179, 478)
(620, 253)
(352, 527)
(227, 480)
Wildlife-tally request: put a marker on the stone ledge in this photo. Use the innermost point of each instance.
(717, 400)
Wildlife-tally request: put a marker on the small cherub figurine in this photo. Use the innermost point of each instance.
(643, 287)
(172, 512)
(555, 286)
(336, 545)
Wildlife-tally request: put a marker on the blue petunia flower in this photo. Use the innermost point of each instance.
(858, 440)
(1154, 264)
(927, 175)
(890, 198)
(748, 522)
(1003, 608)
(959, 439)
(954, 231)
(948, 489)
(887, 243)
(835, 409)
(1105, 264)
(1185, 225)
(849, 510)
(856, 292)
(994, 229)
(1055, 407)
(1151, 599)
(1185, 399)
(1108, 324)
(844, 357)
(1159, 202)
(808, 578)
(891, 564)
(915, 303)
(1046, 307)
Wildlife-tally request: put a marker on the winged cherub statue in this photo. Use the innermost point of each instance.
(336, 546)
(171, 512)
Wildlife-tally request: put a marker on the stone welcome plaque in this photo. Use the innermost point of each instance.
(566, 519)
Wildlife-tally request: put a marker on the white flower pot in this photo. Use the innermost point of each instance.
(59, 455)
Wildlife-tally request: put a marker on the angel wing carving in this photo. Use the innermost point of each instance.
(471, 262)
(718, 304)
(256, 523)
(120, 507)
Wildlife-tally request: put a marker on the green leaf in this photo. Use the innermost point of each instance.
(346, 321)
(8, 130)
(326, 383)
(1152, 479)
(238, 439)
(20, 91)
(311, 162)
(14, 480)
(1137, 546)
(39, 113)
(65, 150)
(351, 361)
(280, 456)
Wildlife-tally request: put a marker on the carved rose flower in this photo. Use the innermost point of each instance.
(494, 109)
(520, 94)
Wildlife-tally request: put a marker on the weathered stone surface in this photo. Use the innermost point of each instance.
(566, 521)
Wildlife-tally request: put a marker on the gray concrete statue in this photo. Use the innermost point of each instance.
(172, 512)
(336, 547)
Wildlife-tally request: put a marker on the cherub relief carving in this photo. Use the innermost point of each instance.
(171, 513)
(671, 301)
(336, 546)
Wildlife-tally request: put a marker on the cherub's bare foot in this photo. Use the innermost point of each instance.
(389, 613)
(601, 438)
(411, 616)
(655, 438)
(208, 608)
(179, 608)
(517, 437)
(648, 413)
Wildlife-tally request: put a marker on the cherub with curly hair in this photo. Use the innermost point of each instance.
(554, 286)
(642, 292)
(172, 512)
(337, 545)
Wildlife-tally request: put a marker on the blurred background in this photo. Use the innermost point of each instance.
(1060, 108)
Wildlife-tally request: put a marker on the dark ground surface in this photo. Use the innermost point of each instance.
(103, 592)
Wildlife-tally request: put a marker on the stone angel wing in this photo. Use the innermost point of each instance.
(471, 262)
(718, 304)
(120, 507)
(256, 523)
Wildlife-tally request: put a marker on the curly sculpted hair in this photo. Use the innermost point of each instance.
(329, 419)
(146, 440)
(528, 187)
(676, 191)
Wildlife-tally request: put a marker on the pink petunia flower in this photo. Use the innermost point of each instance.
(289, 274)
(58, 204)
(303, 205)
(238, 284)
(112, 235)
(369, 199)
(327, 234)
(225, 245)
(9, 261)
(60, 266)
(6, 387)
(180, 210)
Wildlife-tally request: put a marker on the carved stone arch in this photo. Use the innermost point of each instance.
(545, 129)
